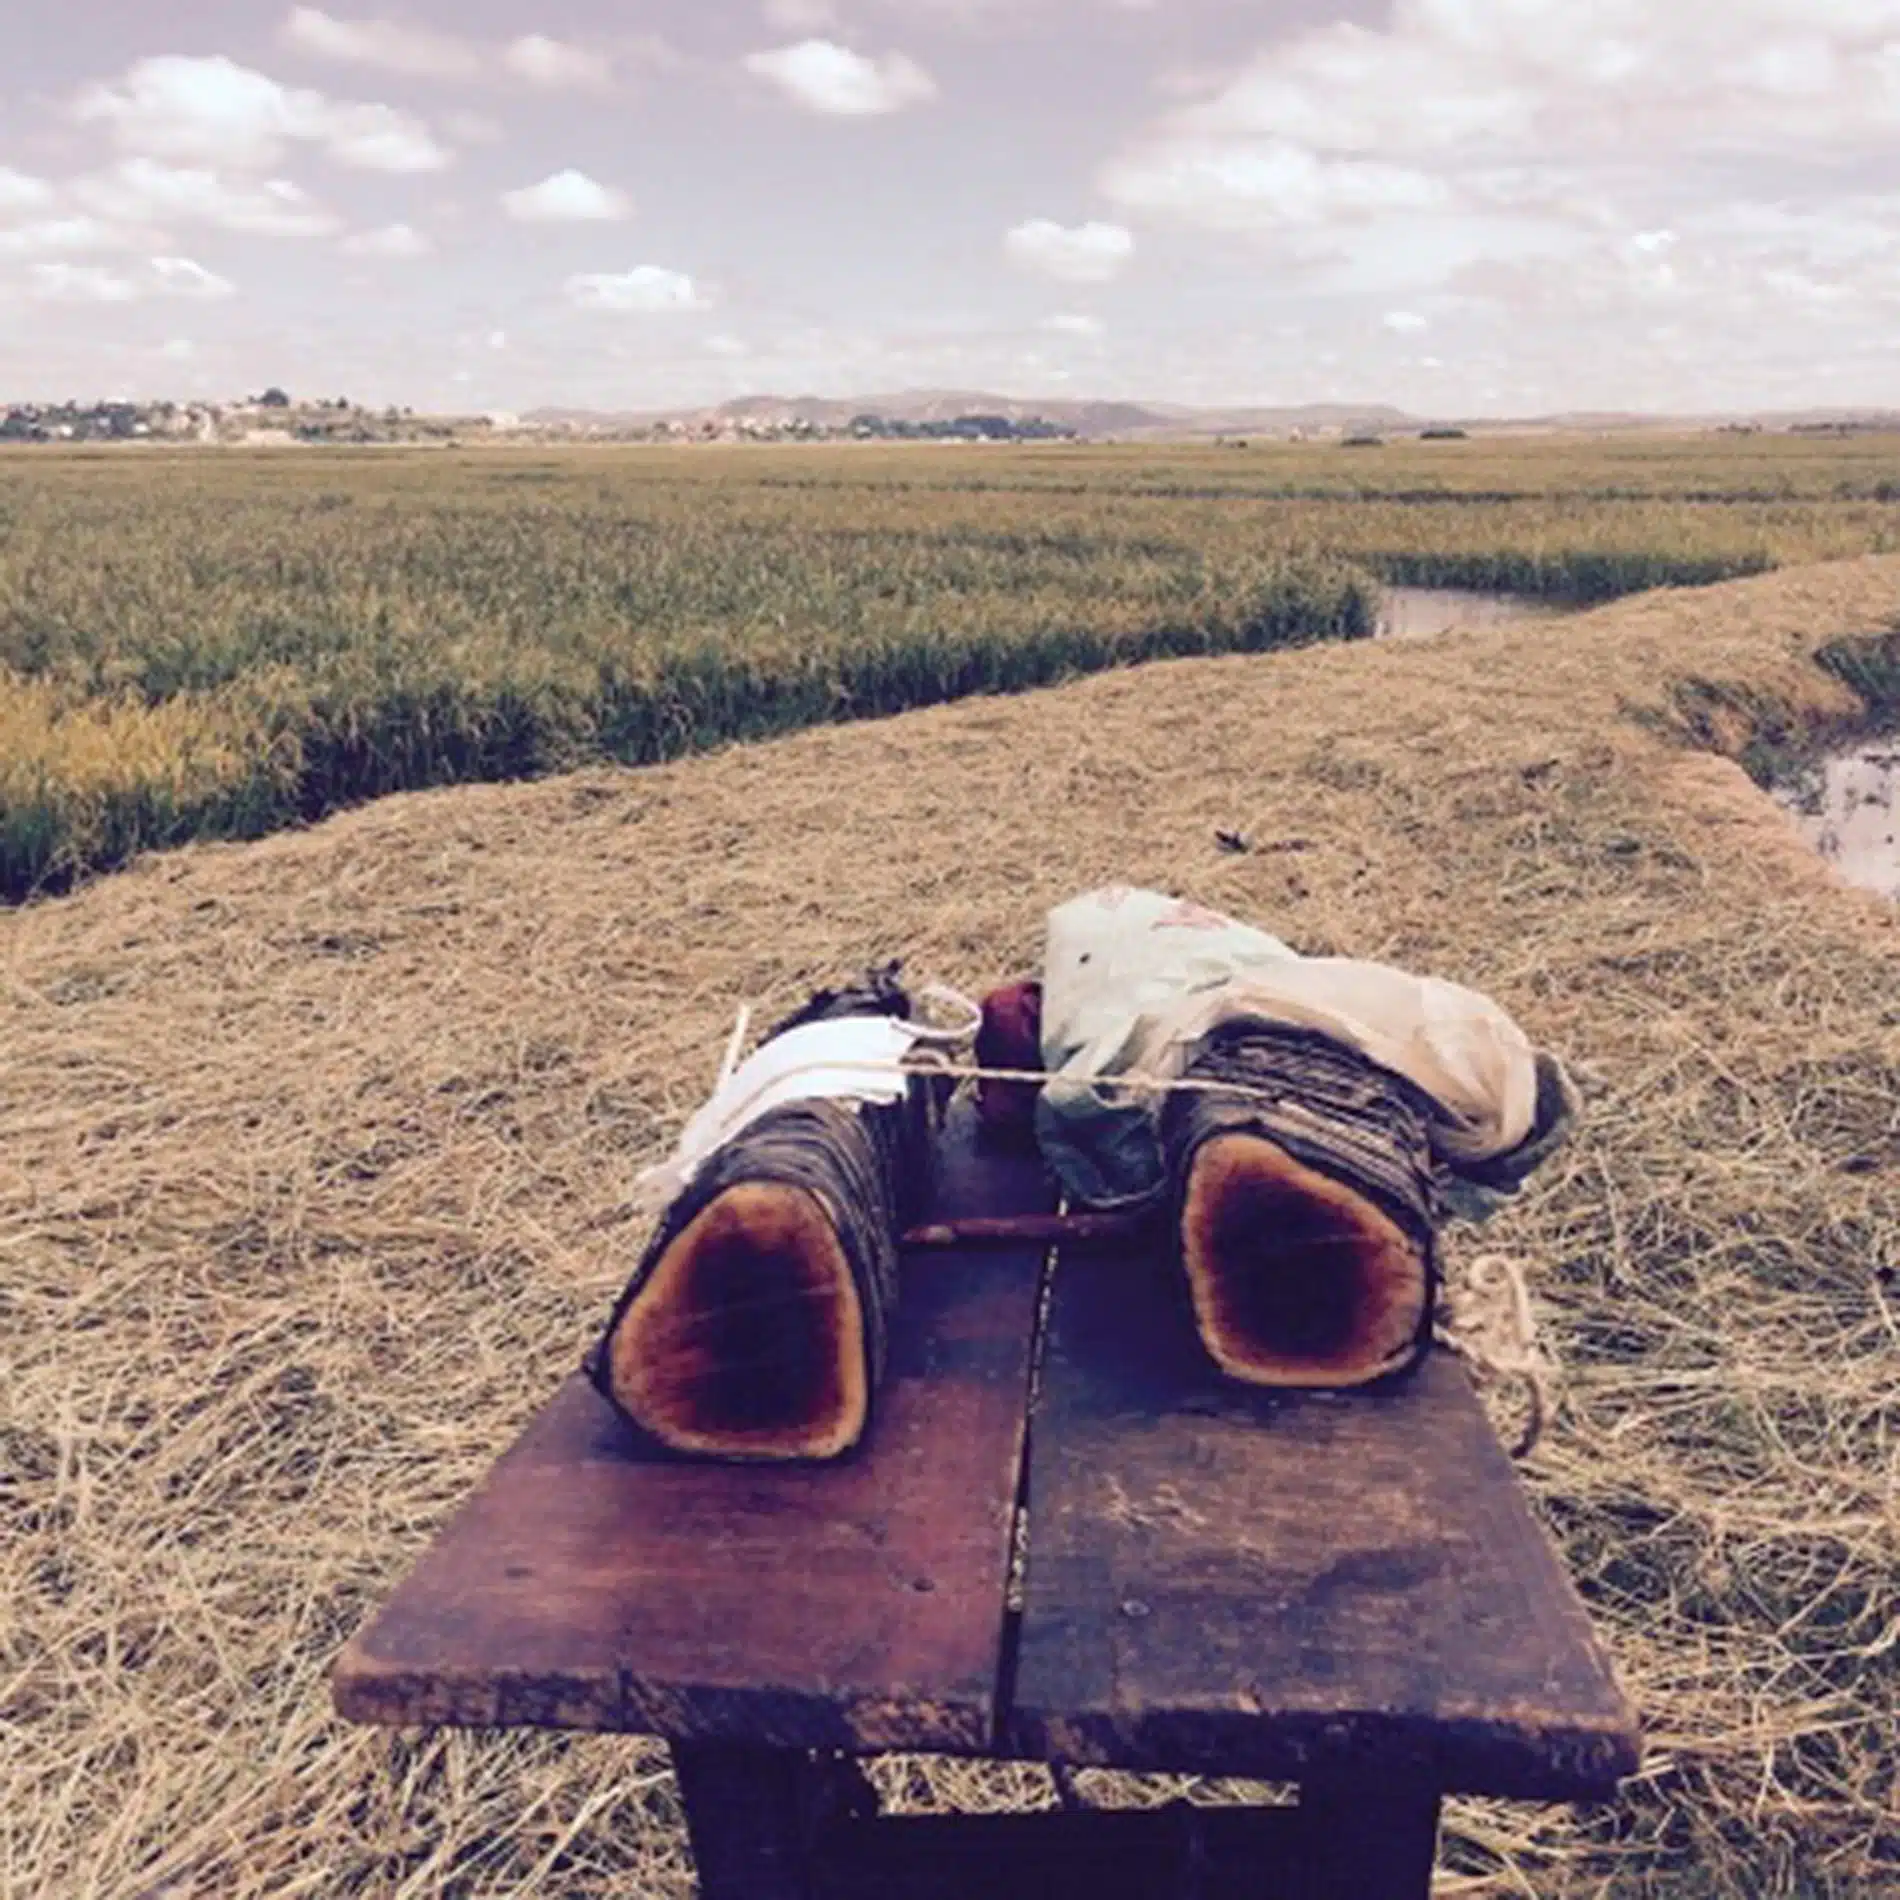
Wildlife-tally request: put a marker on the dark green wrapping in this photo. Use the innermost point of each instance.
(1328, 1107)
(866, 1163)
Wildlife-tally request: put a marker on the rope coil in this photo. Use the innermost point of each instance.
(1486, 1318)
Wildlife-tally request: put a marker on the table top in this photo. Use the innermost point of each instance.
(1217, 1580)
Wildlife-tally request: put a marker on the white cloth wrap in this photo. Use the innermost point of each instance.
(850, 1058)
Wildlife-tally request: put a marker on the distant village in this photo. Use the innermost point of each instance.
(275, 419)
(271, 417)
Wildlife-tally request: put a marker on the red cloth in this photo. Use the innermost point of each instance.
(1010, 1038)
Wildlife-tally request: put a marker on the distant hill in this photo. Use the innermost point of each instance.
(940, 405)
(1312, 415)
(1134, 421)
(1097, 419)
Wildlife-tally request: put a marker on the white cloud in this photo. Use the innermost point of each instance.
(95, 283)
(388, 240)
(1265, 185)
(727, 346)
(647, 287)
(1577, 198)
(217, 112)
(381, 43)
(178, 349)
(568, 197)
(181, 277)
(1073, 323)
(143, 191)
(51, 235)
(1804, 300)
(420, 53)
(377, 139)
(21, 192)
(1540, 108)
(1078, 254)
(1741, 269)
(193, 108)
(825, 77)
(80, 283)
(555, 64)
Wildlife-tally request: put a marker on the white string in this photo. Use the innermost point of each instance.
(734, 1043)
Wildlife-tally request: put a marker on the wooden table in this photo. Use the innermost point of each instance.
(1346, 1592)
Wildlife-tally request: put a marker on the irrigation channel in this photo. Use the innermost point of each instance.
(1847, 806)
(1410, 613)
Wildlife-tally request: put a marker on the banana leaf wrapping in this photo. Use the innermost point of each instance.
(1306, 1204)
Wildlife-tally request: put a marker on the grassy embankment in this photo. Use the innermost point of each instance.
(198, 645)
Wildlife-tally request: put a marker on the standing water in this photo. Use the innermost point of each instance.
(1848, 807)
(1408, 613)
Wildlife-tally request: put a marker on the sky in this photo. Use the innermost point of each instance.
(1463, 207)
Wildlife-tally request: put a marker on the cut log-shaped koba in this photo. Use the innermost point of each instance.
(756, 1322)
(749, 1332)
(1305, 1208)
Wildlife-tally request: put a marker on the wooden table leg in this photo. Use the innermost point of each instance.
(755, 1814)
(1370, 1839)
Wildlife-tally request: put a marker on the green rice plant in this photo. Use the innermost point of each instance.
(1870, 668)
(1580, 575)
(214, 644)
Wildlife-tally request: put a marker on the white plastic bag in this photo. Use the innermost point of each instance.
(1133, 979)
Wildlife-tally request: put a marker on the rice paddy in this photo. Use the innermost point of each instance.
(219, 645)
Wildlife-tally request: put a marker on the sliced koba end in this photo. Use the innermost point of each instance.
(747, 1340)
(1296, 1280)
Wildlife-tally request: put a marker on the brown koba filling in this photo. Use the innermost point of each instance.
(1296, 1280)
(748, 1338)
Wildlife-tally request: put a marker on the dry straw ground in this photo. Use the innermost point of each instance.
(300, 1142)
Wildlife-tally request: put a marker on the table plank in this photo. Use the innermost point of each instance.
(1289, 1585)
(594, 1583)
